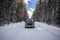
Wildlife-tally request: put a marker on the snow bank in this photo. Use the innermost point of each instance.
(42, 31)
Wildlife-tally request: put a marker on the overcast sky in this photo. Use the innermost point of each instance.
(30, 6)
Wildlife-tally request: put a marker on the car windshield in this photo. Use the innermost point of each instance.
(30, 20)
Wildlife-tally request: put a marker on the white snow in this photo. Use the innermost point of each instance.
(42, 31)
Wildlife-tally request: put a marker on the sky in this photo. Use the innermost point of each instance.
(30, 4)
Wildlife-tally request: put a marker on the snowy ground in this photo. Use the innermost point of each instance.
(16, 31)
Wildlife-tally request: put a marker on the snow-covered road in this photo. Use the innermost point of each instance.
(42, 31)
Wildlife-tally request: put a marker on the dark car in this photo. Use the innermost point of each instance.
(29, 23)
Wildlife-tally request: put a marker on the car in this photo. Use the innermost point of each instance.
(29, 23)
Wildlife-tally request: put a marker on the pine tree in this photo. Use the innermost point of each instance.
(12, 11)
(47, 11)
